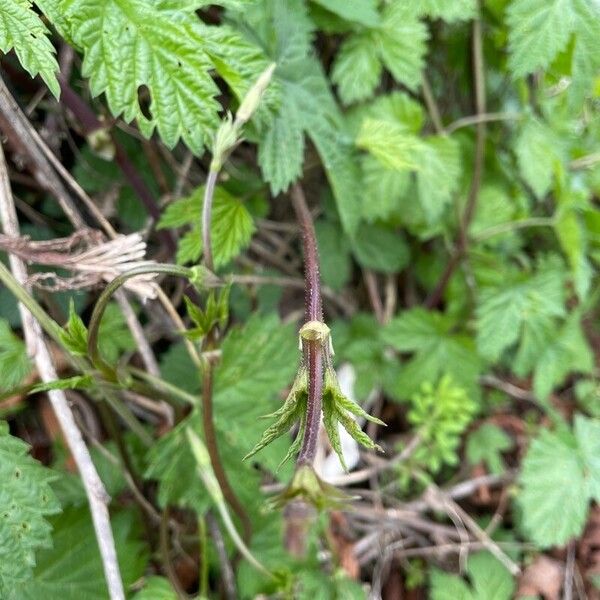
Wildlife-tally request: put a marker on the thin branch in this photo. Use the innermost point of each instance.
(462, 242)
(432, 106)
(209, 192)
(98, 498)
(483, 118)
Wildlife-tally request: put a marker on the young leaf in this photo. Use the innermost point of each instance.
(440, 413)
(14, 362)
(26, 500)
(21, 29)
(231, 227)
(74, 335)
(486, 445)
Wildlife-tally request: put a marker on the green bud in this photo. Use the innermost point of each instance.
(225, 139)
(254, 95)
(308, 486)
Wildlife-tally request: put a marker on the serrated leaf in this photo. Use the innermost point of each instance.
(449, 10)
(438, 174)
(25, 502)
(280, 169)
(21, 29)
(14, 362)
(390, 143)
(437, 350)
(536, 150)
(507, 311)
(565, 352)
(538, 31)
(486, 445)
(232, 225)
(555, 489)
(403, 43)
(357, 69)
(587, 433)
(128, 44)
(490, 580)
(72, 569)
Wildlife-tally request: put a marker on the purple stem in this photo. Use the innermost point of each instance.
(313, 349)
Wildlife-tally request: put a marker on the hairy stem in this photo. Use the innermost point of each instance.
(313, 311)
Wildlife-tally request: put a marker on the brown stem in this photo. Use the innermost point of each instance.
(313, 349)
(210, 438)
(462, 243)
(90, 123)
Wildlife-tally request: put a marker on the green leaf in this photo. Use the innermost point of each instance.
(559, 476)
(21, 29)
(334, 252)
(381, 249)
(436, 350)
(26, 500)
(285, 30)
(390, 143)
(363, 12)
(357, 69)
(438, 174)
(565, 352)
(114, 336)
(281, 168)
(509, 311)
(14, 362)
(232, 225)
(74, 335)
(449, 10)
(258, 362)
(128, 44)
(72, 569)
(538, 31)
(489, 581)
(536, 150)
(402, 38)
(156, 588)
(486, 445)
